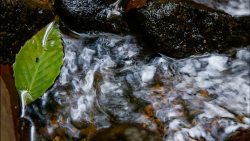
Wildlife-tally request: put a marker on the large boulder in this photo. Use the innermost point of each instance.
(91, 15)
(20, 20)
(184, 28)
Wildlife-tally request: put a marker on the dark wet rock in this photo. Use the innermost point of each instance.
(91, 15)
(184, 28)
(241, 31)
(240, 135)
(19, 21)
(126, 132)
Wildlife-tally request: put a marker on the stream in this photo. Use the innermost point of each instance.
(104, 77)
(108, 78)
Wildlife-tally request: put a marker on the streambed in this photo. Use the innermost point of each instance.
(106, 78)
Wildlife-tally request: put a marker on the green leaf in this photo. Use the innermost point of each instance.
(38, 63)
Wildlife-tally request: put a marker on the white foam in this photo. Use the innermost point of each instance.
(217, 63)
(147, 73)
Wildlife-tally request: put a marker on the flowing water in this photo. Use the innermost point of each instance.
(233, 7)
(105, 78)
(108, 78)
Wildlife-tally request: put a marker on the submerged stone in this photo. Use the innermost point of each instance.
(184, 28)
(91, 15)
(126, 132)
(19, 21)
(239, 135)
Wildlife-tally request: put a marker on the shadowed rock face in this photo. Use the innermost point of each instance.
(183, 28)
(91, 15)
(19, 21)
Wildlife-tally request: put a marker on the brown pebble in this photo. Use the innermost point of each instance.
(204, 93)
(53, 121)
(149, 110)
